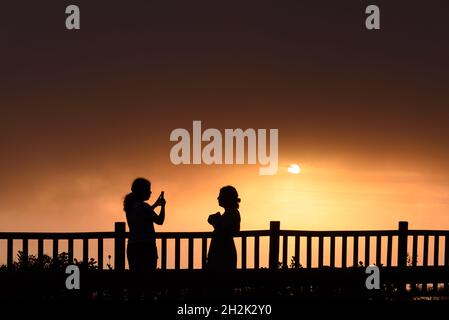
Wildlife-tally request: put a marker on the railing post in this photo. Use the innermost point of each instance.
(10, 249)
(24, 253)
(275, 227)
(119, 246)
(40, 251)
(402, 251)
(86, 252)
(100, 254)
(178, 253)
(402, 244)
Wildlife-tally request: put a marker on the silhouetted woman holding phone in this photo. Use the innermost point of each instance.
(142, 251)
(222, 254)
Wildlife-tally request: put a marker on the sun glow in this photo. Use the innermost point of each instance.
(294, 169)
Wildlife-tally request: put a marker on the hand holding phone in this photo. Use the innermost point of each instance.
(162, 199)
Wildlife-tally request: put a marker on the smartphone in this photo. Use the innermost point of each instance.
(162, 195)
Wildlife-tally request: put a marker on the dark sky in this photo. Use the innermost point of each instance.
(71, 100)
(309, 67)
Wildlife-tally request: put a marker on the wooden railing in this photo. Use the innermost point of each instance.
(56, 239)
(278, 247)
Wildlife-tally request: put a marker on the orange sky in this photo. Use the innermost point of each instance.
(364, 114)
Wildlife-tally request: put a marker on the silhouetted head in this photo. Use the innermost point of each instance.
(228, 198)
(141, 188)
(140, 191)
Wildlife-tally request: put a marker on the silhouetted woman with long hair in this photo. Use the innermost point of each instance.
(142, 251)
(222, 254)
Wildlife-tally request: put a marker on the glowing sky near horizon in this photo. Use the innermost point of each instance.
(364, 115)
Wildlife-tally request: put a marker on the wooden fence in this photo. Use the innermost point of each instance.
(278, 247)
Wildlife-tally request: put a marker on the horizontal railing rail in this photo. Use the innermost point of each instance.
(302, 248)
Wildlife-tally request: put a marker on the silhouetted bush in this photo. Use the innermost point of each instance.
(45, 262)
